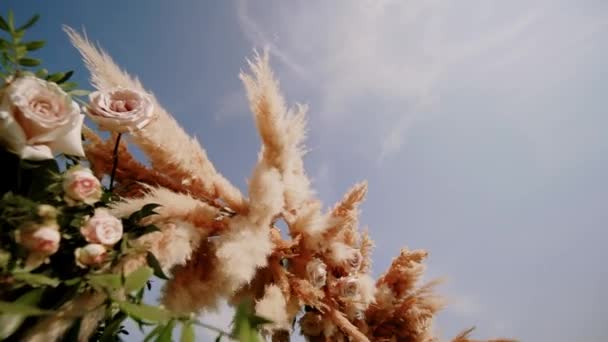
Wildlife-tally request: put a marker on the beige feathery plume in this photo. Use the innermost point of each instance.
(282, 131)
(197, 284)
(464, 337)
(169, 148)
(173, 244)
(273, 306)
(174, 206)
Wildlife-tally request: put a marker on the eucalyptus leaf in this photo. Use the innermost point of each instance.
(137, 279)
(42, 73)
(145, 312)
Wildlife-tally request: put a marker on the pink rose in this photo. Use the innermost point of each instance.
(121, 110)
(90, 255)
(102, 228)
(347, 287)
(42, 239)
(80, 185)
(317, 272)
(39, 120)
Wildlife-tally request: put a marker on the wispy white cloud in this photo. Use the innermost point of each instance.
(400, 57)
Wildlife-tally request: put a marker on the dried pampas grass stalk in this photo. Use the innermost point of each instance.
(282, 131)
(169, 148)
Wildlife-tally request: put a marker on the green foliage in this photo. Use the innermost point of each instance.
(32, 195)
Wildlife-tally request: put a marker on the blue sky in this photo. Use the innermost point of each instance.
(480, 126)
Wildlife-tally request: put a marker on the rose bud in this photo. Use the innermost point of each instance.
(90, 255)
(80, 185)
(40, 239)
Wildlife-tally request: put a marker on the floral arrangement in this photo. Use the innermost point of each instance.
(85, 226)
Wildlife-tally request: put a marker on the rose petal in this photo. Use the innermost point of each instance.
(36, 152)
(71, 142)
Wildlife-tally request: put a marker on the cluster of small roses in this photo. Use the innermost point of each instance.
(38, 120)
(101, 230)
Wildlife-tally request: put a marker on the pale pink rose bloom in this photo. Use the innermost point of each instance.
(90, 255)
(102, 228)
(42, 239)
(317, 272)
(80, 185)
(39, 120)
(355, 261)
(120, 109)
(347, 287)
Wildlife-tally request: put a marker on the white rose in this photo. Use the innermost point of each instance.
(317, 272)
(102, 228)
(80, 185)
(39, 120)
(43, 239)
(121, 110)
(90, 255)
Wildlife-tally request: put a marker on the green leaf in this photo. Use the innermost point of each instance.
(112, 328)
(9, 323)
(36, 279)
(153, 262)
(145, 312)
(167, 332)
(187, 333)
(30, 22)
(20, 52)
(145, 211)
(11, 21)
(67, 86)
(64, 77)
(79, 92)
(55, 77)
(138, 278)
(22, 309)
(4, 25)
(29, 62)
(34, 45)
(107, 281)
(42, 73)
(153, 333)
(4, 44)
